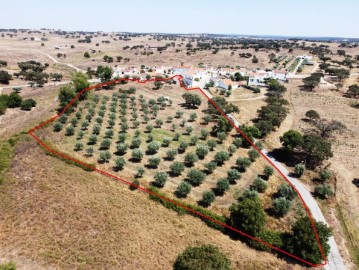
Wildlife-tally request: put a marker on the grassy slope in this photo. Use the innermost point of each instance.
(58, 215)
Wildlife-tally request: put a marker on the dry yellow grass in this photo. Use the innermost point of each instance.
(54, 215)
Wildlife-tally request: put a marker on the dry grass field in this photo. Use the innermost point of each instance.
(56, 216)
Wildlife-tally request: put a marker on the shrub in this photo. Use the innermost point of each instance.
(192, 117)
(206, 257)
(233, 175)
(137, 154)
(325, 175)
(28, 104)
(243, 164)
(268, 171)
(232, 149)
(120, 162)
(166, 141)
(194, 140)
(171, 154)
(299, 169)
(222, 186)
(323, 191)
(70, 131)
(221, 136)
(183, 189)
(253, 154)
(182, 146)
(78, 146)
(74, 121)
(281, 206)
(140, 172)
(212, 144)
(189, 130)
(238, 142)
(153, 147)
(105, 144)
(176, 136)
(204, 134)
(8, 266)
(80, 134)
(160, 179)
(104, 156)
(153, 162)
(85, 124)
(63, 118)
(96, 129)
(202, 151)
(135, 184)
(89, 151)
(109, 133)
(206, 119)
(221, 157)
(259, 185)
(57, 127)
(121, 138)
(177, 168)
(195, 177)
(190, 159)
(93, 139)
(286, 191)
(208, 198)
(210, 166)
(136, 142)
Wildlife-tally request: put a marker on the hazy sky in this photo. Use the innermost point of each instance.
(256, 17)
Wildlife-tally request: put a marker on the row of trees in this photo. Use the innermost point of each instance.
(14, 100)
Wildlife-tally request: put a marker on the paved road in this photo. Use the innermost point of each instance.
(335, 261)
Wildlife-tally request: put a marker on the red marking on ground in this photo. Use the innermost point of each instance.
(180, 80)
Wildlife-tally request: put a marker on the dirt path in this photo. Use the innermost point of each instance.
(57, 62)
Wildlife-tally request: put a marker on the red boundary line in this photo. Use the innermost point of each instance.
(180, 80)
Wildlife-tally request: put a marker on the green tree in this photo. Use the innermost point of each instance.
(221, 157)
(210, 166)
(281, 206)
(243, 164)
(206, 257)
(233, 175)
(120, 163)
(177, 168)
(66, 95)
(222, 186)
(195, 177)
(268, 171)
(153, 147)
(104, 73)
(323, 191)
(253, 154)
(171, 154)
(190, 159)
(312, 115)
(160, 179)
(286, 191)
(259, 185)
(302, 241)
(5, 77)
(208, 198)
(153, 162)
(299, 169)
(137, 154)
(183, 189)
(202, 151)
(248, 215)
(192, 100)
(291, 140)
(86, 55)
(14, 100)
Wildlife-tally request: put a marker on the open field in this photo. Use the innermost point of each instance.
(58, 216)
